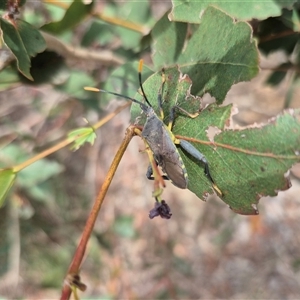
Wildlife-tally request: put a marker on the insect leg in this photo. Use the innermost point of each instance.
(159, 96)
(200, 157)
(172, 115)
(172, 112)
(149, 174)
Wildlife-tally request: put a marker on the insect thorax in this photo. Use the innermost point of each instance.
(158, 138)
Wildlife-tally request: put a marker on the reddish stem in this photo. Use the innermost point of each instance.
(79, 254)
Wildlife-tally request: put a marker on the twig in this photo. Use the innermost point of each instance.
(66, 141)
(105, 57)
(78, 256)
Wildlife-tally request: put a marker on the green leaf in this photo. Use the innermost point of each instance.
(245, 164)
(75, 84)
(24, 41)
(12, 154)
(74, 15)
(97, 32)
(84, 135)
(7, 179)
(38, 172)
(256, 160)
(137, 12)
(56, 13)
(32, 39)
(169, 38)
(219, 53)
(277, 76)
(291, 19)
(8, 78)
(190, 11)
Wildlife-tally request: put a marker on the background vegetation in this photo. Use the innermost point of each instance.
(51, 50)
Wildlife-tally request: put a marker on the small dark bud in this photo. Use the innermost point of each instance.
(161, 209)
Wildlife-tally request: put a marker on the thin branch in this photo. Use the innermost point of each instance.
(123, 23)
(111, 20)
(67, 141)
(105, 57)
(275, 36)
(79, 254)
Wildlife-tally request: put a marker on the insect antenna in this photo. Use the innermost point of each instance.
(140, 81)
(142, 105)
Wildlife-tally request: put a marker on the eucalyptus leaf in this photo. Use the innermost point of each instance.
(74, 15)
(219, 53)
(24, 41)
(245, 164)
(191, 11)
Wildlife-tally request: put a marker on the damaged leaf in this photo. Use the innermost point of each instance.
(245, 164)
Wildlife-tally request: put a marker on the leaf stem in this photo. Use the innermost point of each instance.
(111, 115)
(78, 256)
(43, 154)
(123, 23)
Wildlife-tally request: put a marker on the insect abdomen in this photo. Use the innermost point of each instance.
(165, 152)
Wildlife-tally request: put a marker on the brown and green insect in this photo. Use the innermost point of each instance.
(162, 141)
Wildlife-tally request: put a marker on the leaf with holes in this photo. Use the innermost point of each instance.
(245, 164)
(217, 54)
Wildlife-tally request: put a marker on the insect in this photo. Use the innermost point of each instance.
(162, 142)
